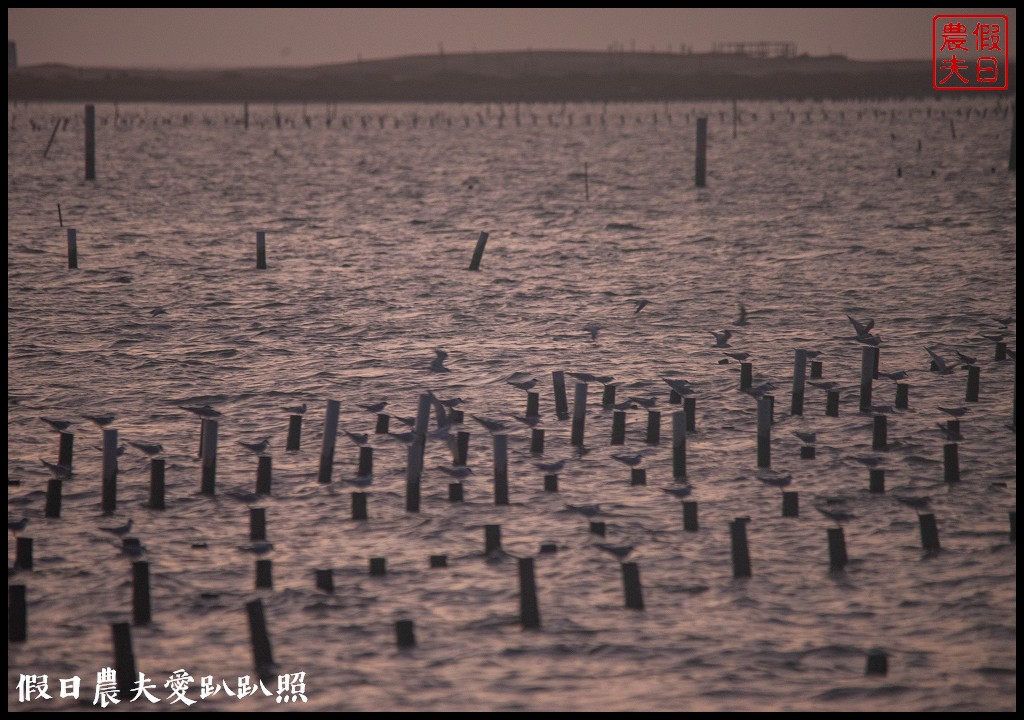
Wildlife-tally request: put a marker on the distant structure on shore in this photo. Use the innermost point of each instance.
(12, 56)
(758, 49)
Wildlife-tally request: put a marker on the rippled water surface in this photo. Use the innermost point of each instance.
(370, 225)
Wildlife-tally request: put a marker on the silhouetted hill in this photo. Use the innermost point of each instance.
(493, 77)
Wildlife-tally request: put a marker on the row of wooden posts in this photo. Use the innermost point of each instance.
(701, 160)
(530, 617)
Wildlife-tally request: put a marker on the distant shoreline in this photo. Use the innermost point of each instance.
(549, 76)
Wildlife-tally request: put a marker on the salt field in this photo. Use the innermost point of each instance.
(901, 212)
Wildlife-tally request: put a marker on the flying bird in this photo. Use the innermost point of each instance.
(742, 318)
(158, 311)
(722, 338)
(640, 304)
(863, 329)
(939, 365)
(593, 328)
(437, 364)
(965, 359)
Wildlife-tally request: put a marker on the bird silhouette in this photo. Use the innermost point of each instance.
(682, 387)
(640, 304)
(938, 364)
(375, 408)
(101, 420)
(360, 439)
(437, 364)
(552, 467)
(678, 491)
(57, 425)
(722, 338)
(740, 356)
(619, 551)
(203, 411)
(741, 319)
(120, 529)
(60, 471)
(493, 426)
(257, 447)
(807, 437)
(525, 386)
(16, 526)
(296, 410)
(148, 448)
(593, 328)
(630, 460)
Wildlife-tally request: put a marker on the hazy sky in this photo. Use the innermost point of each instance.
(190, 38)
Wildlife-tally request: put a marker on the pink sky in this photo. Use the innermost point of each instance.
(192, 38)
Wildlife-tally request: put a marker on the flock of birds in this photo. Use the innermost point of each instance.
(863, 333)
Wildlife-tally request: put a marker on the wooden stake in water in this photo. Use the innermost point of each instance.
(867, 374)
(679, 446)
(586, 180)
(638, 476)
(53, 135)
(837, 558)
(262, 656)
(261, 250)
(764, 432)
(60, 215)
(461, 447)
(264, 475)
(67, 445)
(579, 414)
(653, 427)
(702, 142)
(619, 427)
(405, 634)
(109, 470)
(257, 523)
(973, 383)
(902, 396)
(294, 433)
(879, 436)
(383, 424)
(690, 408)
(951, 462)
(245, 115)
(815, 369)
(17, 614)
(325, 580)
(790, 503)
(690, 523)
(529, 612)
(124, 658)
(929, 532)
(561, 401)
(23, 554)
(740, 551)
(876, 481)
(478, 252)
(330, 436)
(54, 489)
(455, 493)
(501, 469)
(877, 663)
(72, 249)
(209, 461)
(532, 404)
(608, 396)
(264, 574)
(832, 403)
(550, 483)
(537, 441)
(631, 585)
(156, 484)
(90, 142)
(141, 609)
(492, 538)
(746, 376)
(799, 377)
